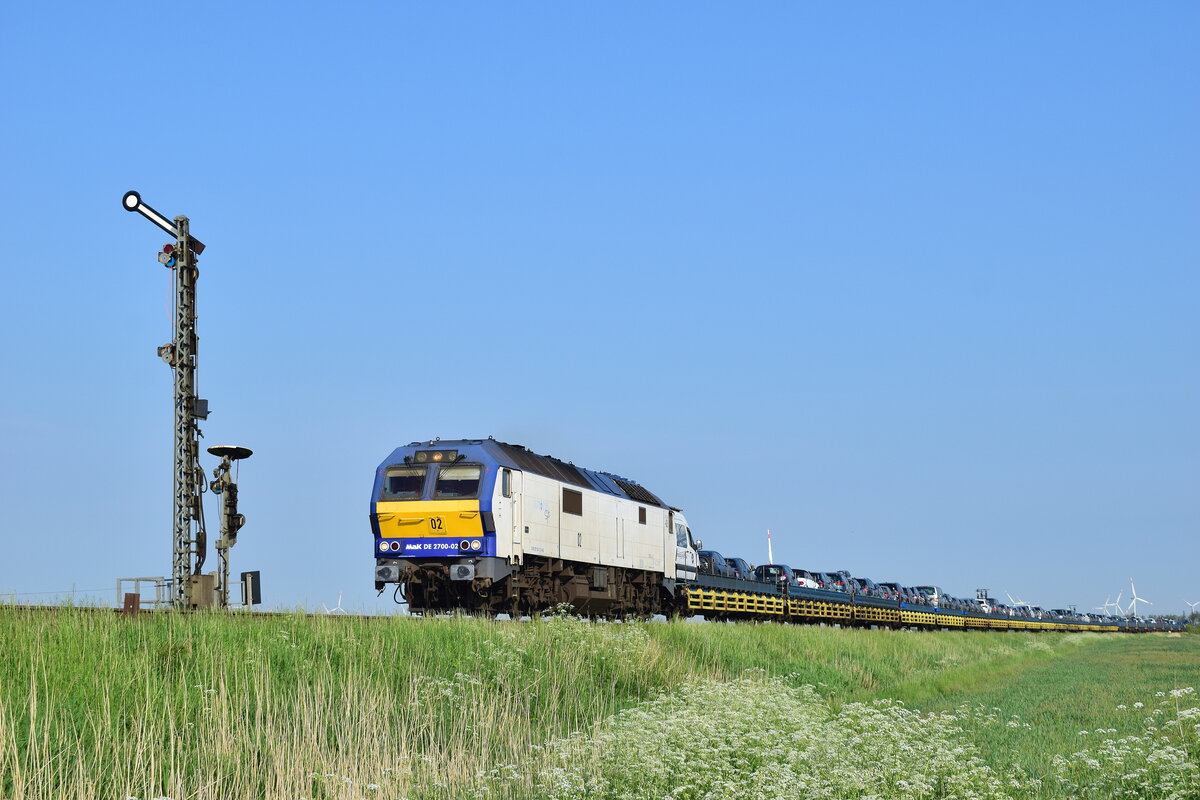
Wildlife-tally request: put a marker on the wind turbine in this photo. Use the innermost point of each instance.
(1015, 601)
(1016, 604)
(1117, 603)
(1193, 606)
(1133, 603)
(336, 609)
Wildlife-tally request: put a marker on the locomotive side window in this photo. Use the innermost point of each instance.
(506, 482)
(681, 535)
(403, 483)
(572, 502)
(457, 482)
(641, 515)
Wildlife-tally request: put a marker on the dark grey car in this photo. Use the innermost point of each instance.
(713, 563)
(741, 569)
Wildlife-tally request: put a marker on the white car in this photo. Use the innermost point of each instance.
(806, 579)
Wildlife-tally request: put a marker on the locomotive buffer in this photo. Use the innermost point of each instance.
(190, 587)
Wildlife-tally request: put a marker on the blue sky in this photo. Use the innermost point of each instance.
(915, 285)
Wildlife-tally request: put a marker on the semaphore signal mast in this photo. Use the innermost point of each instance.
(190, 587)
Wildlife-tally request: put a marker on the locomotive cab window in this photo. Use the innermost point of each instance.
(641, 515)
(403, 483)
(457, 482)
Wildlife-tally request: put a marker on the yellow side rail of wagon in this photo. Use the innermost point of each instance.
(729, 602)
(909, 617)
(819, 609)
(886, 616)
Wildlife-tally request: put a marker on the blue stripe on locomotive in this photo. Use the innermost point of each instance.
(438, 546)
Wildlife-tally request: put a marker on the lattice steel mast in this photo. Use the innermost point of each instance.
(190, 543)
(188, 532)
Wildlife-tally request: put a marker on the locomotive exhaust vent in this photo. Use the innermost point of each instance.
(462, 572)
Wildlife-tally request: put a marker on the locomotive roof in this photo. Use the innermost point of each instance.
(522, 458)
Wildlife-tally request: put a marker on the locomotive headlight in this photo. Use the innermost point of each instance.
(383, 546)
(445, 456)
(475, 544)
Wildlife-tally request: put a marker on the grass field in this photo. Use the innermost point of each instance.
(1063, 696)
(210, 706)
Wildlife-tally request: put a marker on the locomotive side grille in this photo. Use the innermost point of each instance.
(546, 466)
(638, 493)
(551, 467)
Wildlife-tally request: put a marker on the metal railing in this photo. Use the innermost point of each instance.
(162, 591)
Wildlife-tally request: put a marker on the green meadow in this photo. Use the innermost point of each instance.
(94, 705)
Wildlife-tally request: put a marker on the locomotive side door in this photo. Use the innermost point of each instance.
(510, 488)
(669, 535)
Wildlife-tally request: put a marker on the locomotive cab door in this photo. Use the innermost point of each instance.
(687, 561)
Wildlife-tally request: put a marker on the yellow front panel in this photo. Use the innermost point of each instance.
(421, 518)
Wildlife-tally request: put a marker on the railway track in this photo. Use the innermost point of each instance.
(718, 606)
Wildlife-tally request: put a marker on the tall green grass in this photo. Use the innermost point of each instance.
(1108, 684)
(233, 706)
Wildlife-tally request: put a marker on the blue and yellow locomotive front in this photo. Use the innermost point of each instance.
(434, 501)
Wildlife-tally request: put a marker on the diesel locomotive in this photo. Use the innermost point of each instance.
(487, 527)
